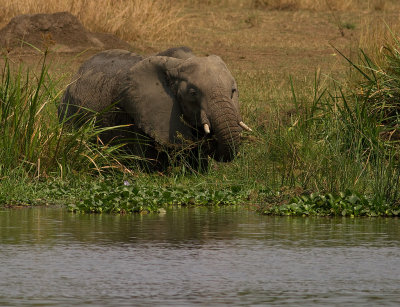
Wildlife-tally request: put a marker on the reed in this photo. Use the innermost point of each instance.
(32, 138)
(339, 138)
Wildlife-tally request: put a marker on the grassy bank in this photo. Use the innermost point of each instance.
(322, 145)
(327, 140)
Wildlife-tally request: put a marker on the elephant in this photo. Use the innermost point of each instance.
(169, 101)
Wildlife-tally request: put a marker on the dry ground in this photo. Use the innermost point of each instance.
(270, 40)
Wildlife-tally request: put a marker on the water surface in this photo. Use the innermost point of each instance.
(226, 256)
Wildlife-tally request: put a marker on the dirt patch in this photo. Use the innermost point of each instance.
(60, 32)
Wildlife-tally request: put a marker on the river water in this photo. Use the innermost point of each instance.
(217, 256)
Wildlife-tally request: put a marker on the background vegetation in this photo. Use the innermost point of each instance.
(323, 142)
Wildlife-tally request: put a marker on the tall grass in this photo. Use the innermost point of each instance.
(32, 139)
(376, 33)
(340, 138)
(131, 20)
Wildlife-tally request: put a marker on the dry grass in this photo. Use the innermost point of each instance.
(321, 5)
(131, 20)
(165, 22)
(378, 32)
(315, 5)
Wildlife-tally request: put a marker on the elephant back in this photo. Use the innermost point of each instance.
(110, 62)
(177, 52)
(96, 85)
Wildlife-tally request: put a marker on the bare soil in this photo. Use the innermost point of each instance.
(278, 41)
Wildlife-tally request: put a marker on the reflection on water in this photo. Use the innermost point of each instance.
(210, 256)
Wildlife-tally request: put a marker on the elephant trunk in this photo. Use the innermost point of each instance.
(225, 127)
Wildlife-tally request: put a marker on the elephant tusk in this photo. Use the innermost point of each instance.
(244, 126)
(206, 128)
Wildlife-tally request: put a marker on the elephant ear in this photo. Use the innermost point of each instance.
(146, 95)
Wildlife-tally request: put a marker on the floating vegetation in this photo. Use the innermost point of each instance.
(109, 197)
(347, 203)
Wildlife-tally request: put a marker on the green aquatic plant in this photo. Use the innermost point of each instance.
(344, 204)
(114, 197)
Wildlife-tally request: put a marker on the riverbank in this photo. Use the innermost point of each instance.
(322, 123)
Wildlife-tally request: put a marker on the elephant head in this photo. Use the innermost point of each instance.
(169, 97)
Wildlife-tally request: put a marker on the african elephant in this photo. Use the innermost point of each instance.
(168, 100)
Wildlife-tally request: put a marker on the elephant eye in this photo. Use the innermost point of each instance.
(233, 92)
(192, 92)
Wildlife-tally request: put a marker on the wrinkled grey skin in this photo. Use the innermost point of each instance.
(165, 99)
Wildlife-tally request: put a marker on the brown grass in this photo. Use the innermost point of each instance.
(131, 20)
(321, 5)
(378, 32)
(315, 5)
(164, 22)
